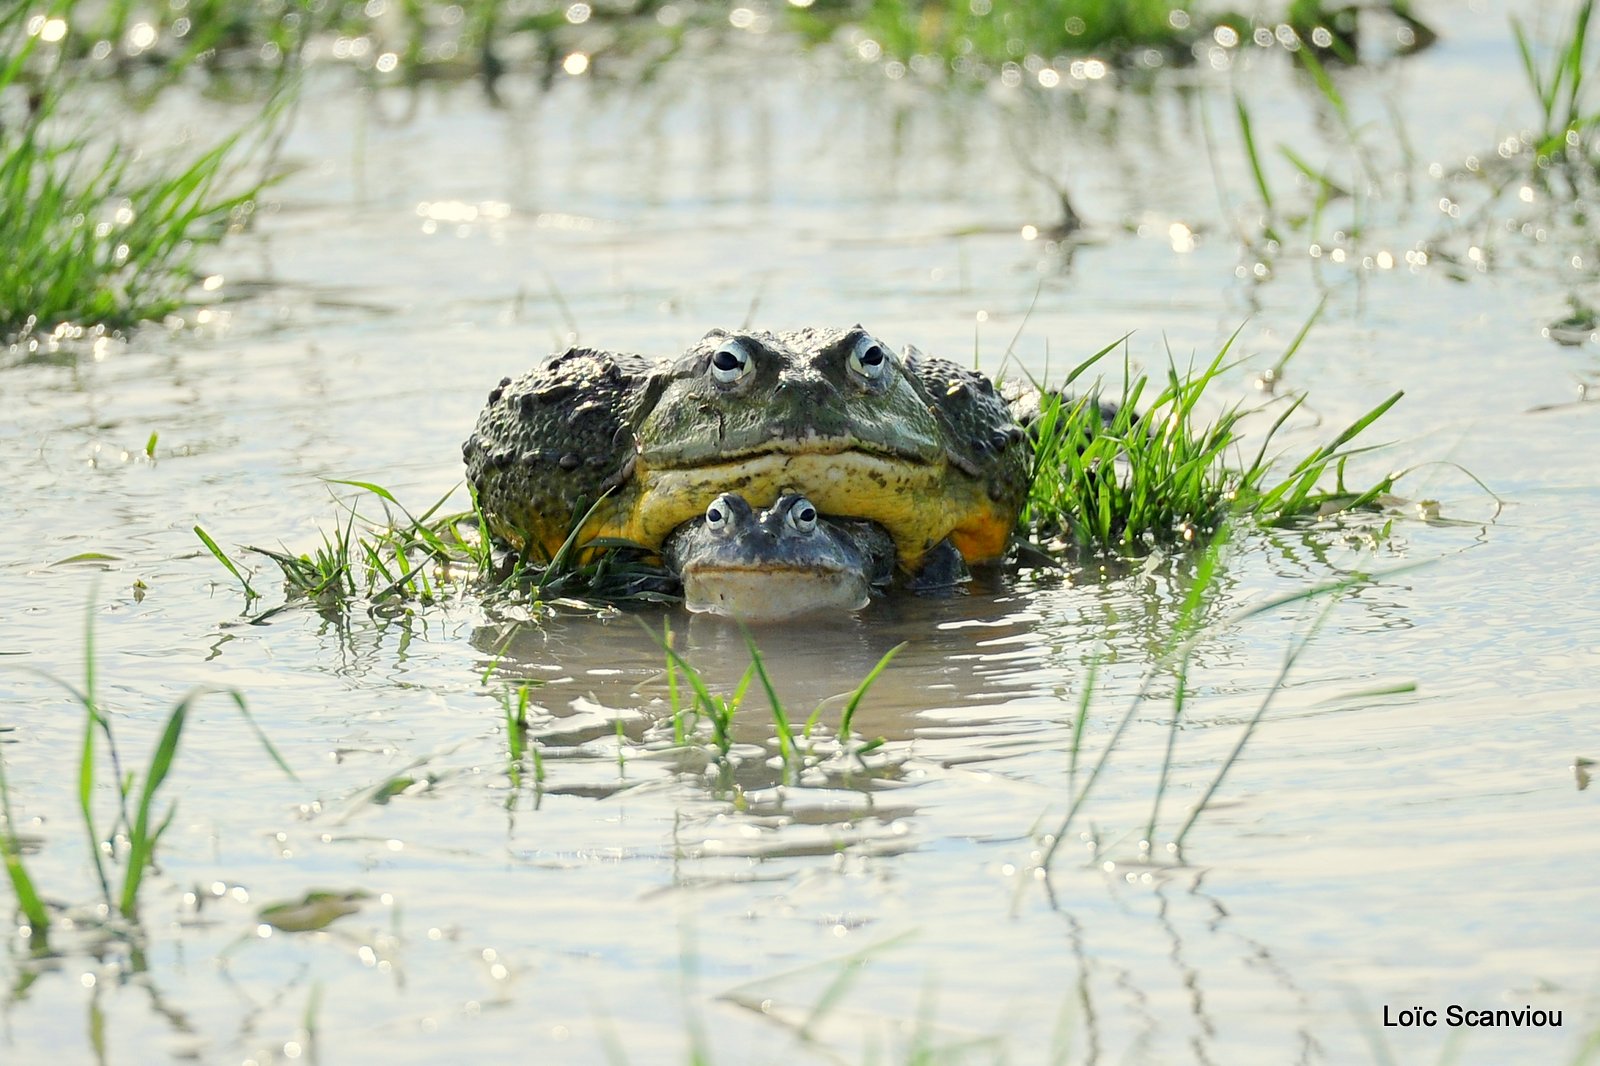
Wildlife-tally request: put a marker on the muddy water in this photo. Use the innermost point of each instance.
(1405, 828)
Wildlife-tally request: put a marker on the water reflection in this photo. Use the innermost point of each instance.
(981, 674)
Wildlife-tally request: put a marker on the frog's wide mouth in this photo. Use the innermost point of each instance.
(917, 503)
(698, 453)
(773, 592)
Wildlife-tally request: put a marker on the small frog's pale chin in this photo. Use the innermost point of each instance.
(773, 594)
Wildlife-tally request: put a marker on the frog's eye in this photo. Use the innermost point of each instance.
(868, 359)
(731, 362)
(727, 513)
(802, 516)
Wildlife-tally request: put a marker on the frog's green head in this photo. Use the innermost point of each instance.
(738, 395)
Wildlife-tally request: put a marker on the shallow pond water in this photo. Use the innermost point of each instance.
(1406, 827)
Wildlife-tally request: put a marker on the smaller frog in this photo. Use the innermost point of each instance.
(784, 561)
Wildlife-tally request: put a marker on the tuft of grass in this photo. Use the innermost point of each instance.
(1153, 472)
(1558, 84)
(418, 558)
(93, 236)
(601, 569)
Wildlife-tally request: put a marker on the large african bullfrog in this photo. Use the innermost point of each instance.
(926, 449)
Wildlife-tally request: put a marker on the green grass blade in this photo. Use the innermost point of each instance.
(1185, 635)
(1082, 367)
(1325, 185)
(211, 545)
(861, 690)
(1289, 659)
(1572, 62)
(1531, 67)
(142, 841)
(11, 850)
(702, 694)
(93, 721)
(1299, 338)
(238, 701)
(368, 486)
(1082, 717)
(1330, 92)
(1253, 156)
(786, 745)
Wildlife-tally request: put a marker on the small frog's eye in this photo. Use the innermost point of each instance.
(868, 359)
(719, 514)
(803, 516)
(731, 362)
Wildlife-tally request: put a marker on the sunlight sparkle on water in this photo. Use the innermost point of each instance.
(141, 37)
(351, 47)
(49, 30)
